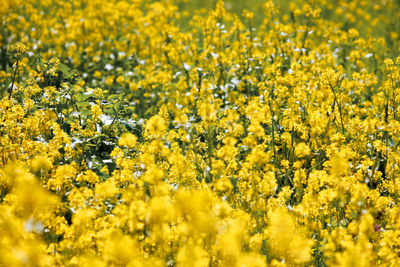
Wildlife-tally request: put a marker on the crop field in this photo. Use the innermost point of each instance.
(199, 133)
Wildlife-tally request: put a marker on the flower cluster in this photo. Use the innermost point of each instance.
(131, 135)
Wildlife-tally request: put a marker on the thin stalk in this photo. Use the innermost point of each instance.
(271, 96)
(13, 81)
(339, 105)
(210, 149)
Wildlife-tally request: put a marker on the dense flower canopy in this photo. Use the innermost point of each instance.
(155, 133)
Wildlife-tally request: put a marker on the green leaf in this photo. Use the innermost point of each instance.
(82, 97)
(112, 97)
(85, 112)
(127, 126)
(66, 71)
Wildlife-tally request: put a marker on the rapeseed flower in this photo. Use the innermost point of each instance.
(227, 139)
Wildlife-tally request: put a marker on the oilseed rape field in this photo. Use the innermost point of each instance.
(199, 133)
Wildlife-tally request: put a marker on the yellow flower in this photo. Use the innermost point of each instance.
(192, 255)
(106, 189)
(88, 176)
(96, 111)
(156, 127)
(120, 79)
(302, 150)
(339, 165)
(18, 49)
(97, 74)
(127, 139)
(41, 163)
(286, 240)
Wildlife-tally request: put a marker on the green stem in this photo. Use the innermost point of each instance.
(13, 82)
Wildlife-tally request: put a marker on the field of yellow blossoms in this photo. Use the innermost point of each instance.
(160, 133)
